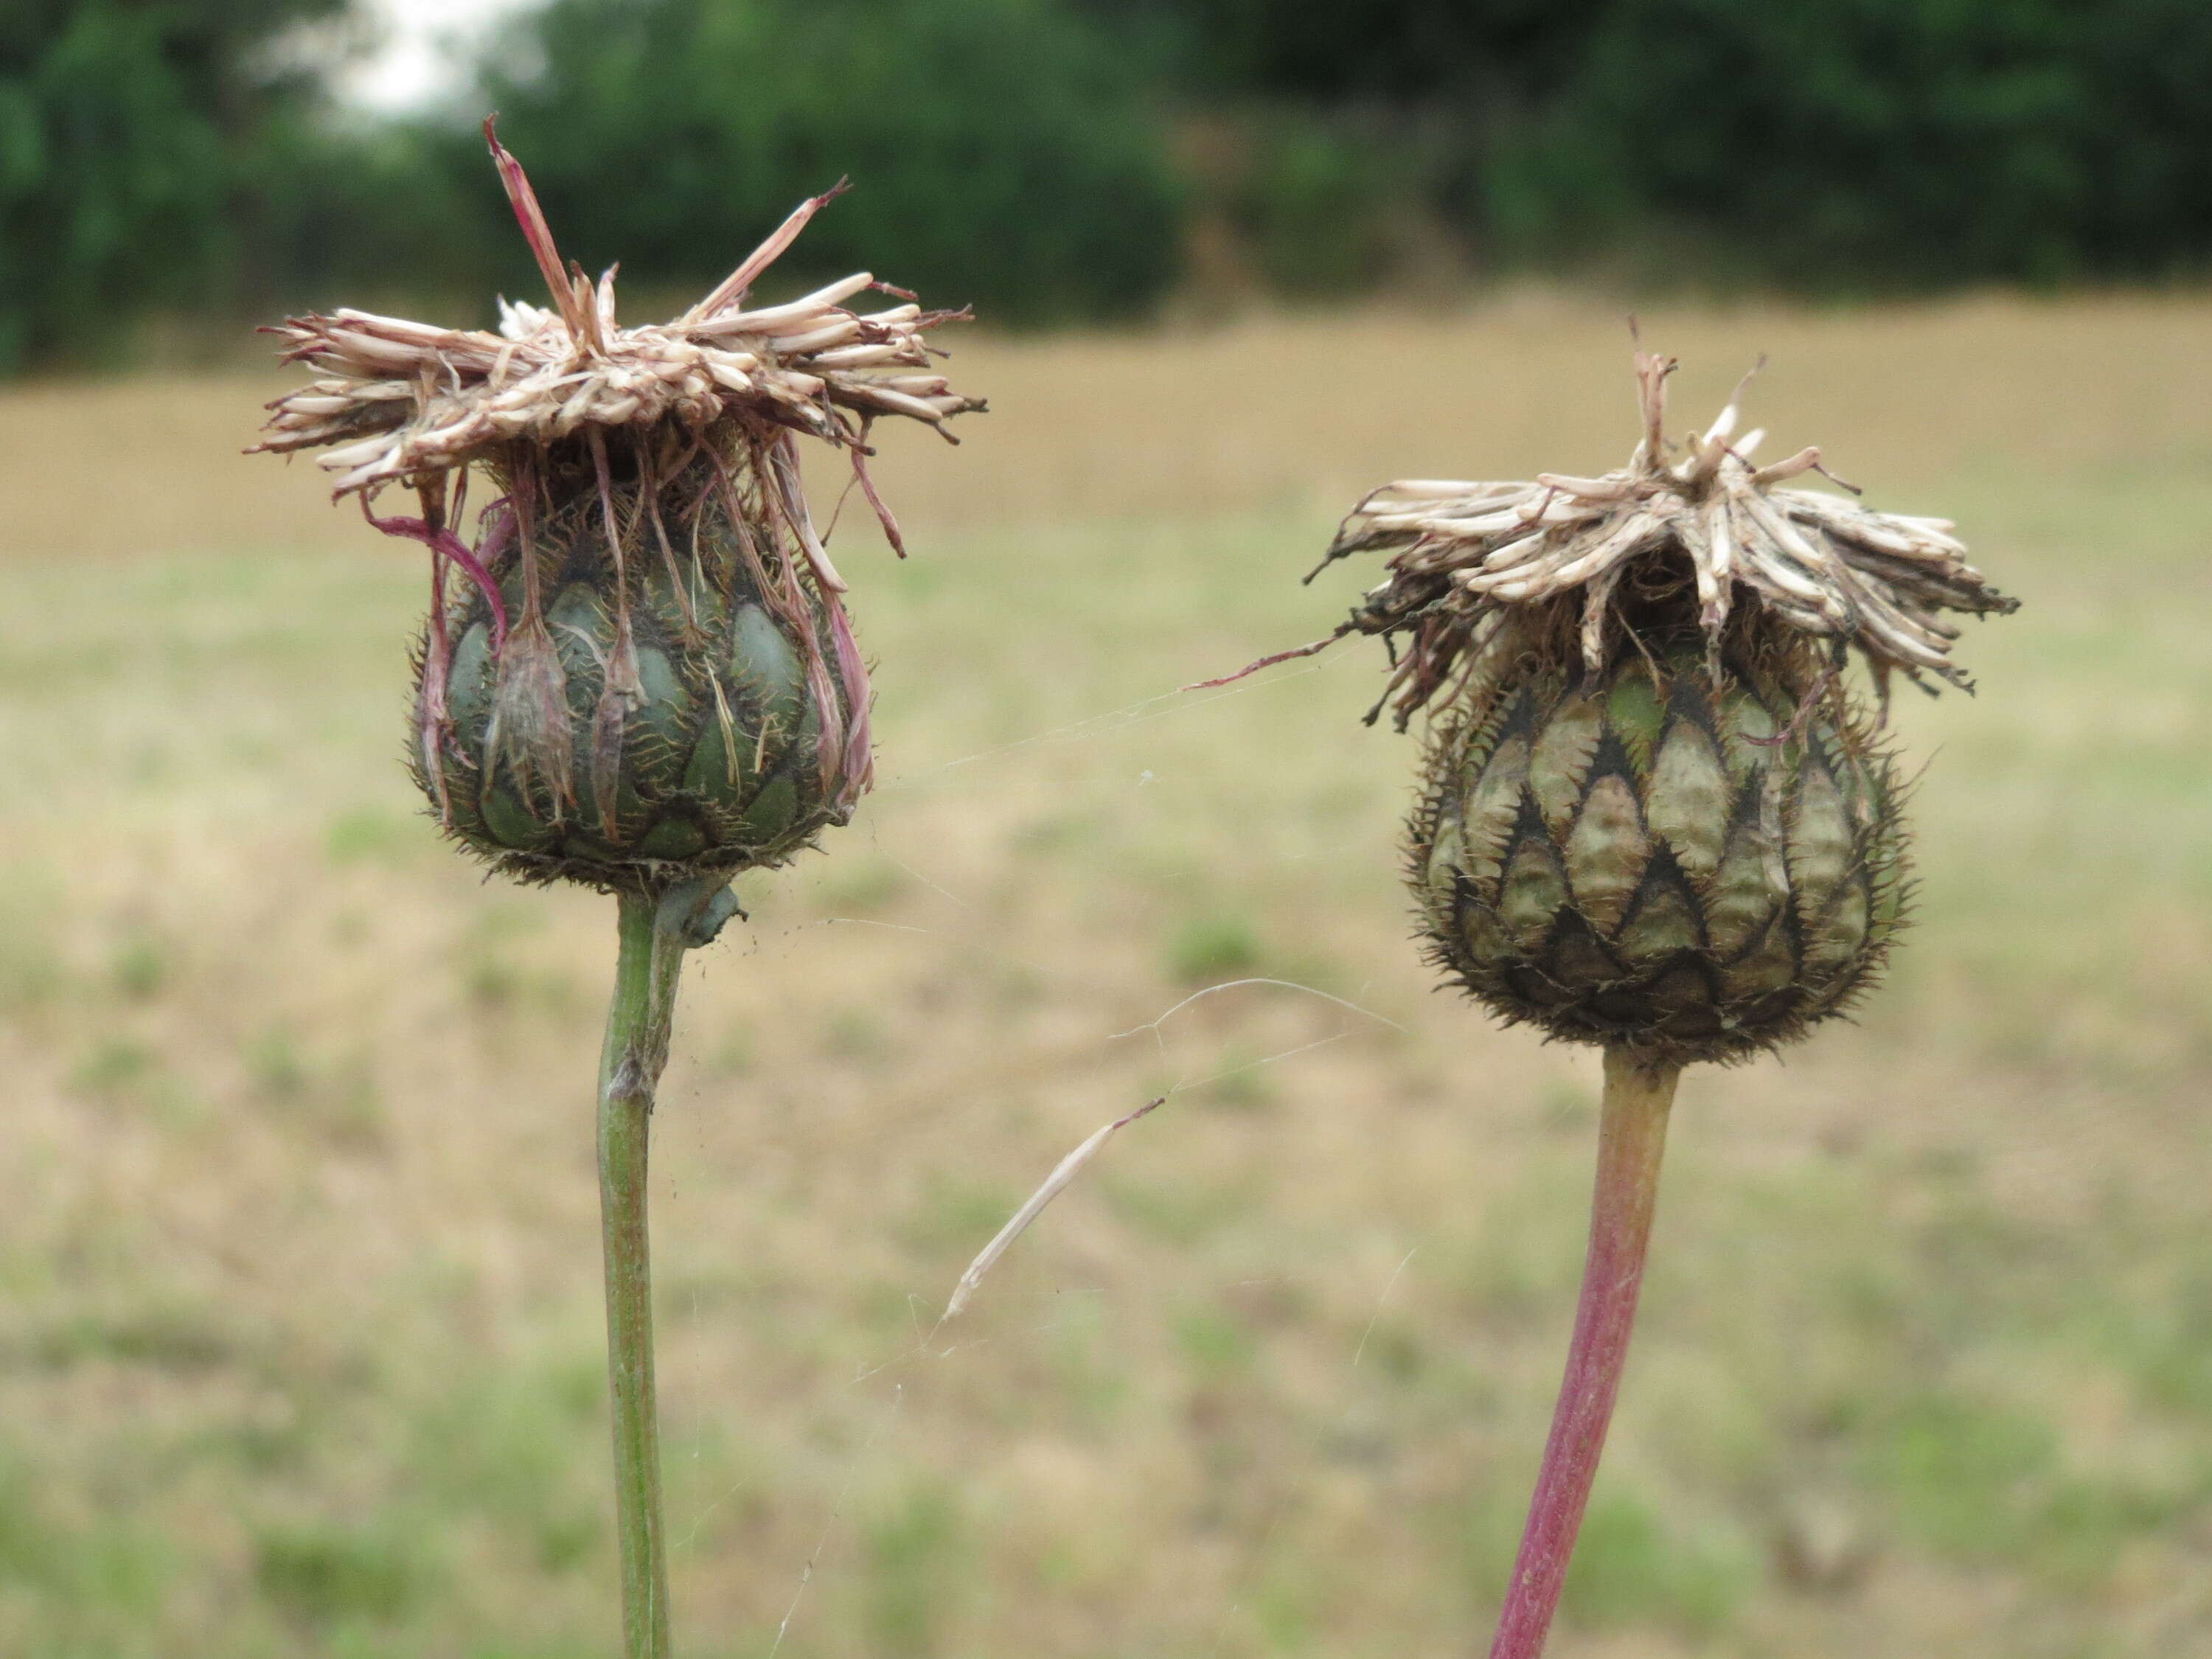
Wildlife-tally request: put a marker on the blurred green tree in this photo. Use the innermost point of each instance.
(126, 131)
(1328, 51)
(1041, 157)
(1860, 144)
(1004, 151)
(1877, 143)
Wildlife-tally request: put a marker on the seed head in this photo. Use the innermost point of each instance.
(1652, 815)
(650, 675)
(1647, 860)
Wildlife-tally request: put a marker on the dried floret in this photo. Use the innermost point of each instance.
(1481, 566)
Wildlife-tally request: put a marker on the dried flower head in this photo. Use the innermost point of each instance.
(653, 676)
(1652, 814)
(1482, 568)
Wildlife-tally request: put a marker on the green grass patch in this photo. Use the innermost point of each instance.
(323, 1574)
(376, 834)
(914, 1552)
(1984, 1482)
(1209, 948)
(1215, 1344)
(1637, 1566)
(518, 1449)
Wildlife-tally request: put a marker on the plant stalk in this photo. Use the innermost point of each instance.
(630, 1064)
(1631, 1136)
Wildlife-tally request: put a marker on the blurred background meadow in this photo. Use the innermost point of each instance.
(300, 1341)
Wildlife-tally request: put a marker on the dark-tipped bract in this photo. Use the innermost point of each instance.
(1645, 860)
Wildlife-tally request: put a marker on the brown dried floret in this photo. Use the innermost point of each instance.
(402, 399)
(1481, 566)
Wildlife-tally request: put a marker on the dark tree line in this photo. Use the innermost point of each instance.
(1036, 157)
(1001, 151)
(1857, 144)
(127, 130)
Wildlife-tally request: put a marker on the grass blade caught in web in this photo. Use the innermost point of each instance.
(1063, 1172)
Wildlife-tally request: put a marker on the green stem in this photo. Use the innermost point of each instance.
(654, 939)
(1631, 1137)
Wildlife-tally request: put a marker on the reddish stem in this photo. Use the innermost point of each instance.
(1631, 1136)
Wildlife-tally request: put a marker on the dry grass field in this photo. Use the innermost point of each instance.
(299, 1339)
